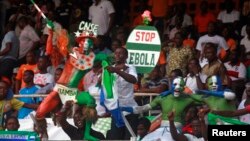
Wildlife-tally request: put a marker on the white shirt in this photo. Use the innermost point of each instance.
(43, 79)
(243, 31)
(10, 37)
(246, 117)
(100, 15)
(124, 89)
(246, 42)
(229, 17)
(220, 41)
(191, 82)
(27, 38)
(193, 138)
(237, 69)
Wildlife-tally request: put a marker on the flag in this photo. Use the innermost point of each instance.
(220, 120)
(108, 95)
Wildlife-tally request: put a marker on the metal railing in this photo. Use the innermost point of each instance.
(150, 95)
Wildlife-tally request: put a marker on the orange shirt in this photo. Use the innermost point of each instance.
(231, 44)
(162, 59)
(202, 21)
(189, 43)
(21, 71)
(159, 7)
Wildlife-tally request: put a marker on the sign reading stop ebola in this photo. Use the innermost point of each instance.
(144, 48)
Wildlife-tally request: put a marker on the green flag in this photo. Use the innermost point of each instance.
(220, 120)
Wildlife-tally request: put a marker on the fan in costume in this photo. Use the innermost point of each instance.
(78, 63)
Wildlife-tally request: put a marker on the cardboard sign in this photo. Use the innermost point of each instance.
(144, 48)
(87, 29)
(66, 93)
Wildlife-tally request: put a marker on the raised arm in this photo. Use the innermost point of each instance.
(240, 112)
(175, 135)
(201, 115)
(30, 106)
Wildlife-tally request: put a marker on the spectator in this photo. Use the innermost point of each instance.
(159, 10)
(245, 103)
(92, 77)
(75, 132)
(211, 37)
(229, 15)
(31, 65)
(12, 124)
(28, 38)
(125, 76)
(43, 78)
(48, 88)
(91, 84)
(13, 104)
(57, 27)
(190, 115)
(101, 46)
(214, 66)
(9, 51)
(195, 79)
(155, 82)
(102, 13)
(199, 129)
(236, 70)
(143, 128)
(63, 13)
(201, 20)
(245, 42)
(179, 55)
(29, 89)
(174, 74)
(177, 27)
(227, 34)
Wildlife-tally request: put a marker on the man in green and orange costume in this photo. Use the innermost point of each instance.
(78, 63)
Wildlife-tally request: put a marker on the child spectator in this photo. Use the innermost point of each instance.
(29, 89)
(12, 124)
(143, 128)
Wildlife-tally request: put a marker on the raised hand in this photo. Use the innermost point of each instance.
(171, 116)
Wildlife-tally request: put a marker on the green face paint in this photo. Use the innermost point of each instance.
(88, 44)
(178, 85)
(212, 83)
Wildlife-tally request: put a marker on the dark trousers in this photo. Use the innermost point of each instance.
(122, 133)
